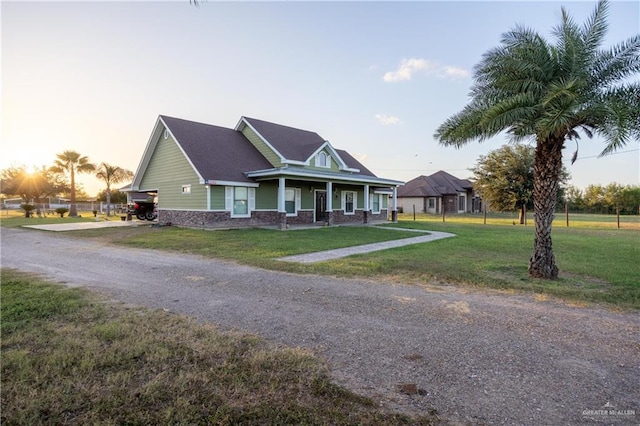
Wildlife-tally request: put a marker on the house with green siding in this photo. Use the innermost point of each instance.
(257, 174)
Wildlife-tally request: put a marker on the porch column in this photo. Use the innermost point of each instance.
(282, 211)
(394, 211)
(365, 210)
(329, 212)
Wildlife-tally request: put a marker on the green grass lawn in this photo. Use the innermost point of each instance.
(70, 357)
(598, 262)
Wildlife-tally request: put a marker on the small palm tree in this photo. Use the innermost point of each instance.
(552, 93)
(112, 175)
(72, 162)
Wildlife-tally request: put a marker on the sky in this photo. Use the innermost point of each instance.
(374, 78)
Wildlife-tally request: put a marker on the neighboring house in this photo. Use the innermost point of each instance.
(428, 194)
(257, 174)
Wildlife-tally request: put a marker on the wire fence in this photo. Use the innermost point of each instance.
(562, 218)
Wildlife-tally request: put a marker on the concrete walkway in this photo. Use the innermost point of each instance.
(319, 256)
(78, 226)
(322, 256)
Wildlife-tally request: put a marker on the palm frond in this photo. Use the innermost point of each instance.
(511, 113)
(463, 127)
(621, 123)
(619, 62)
(595, 28)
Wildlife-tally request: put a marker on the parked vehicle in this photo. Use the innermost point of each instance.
(144, 210)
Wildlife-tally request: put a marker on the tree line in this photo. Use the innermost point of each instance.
(60, 179)
(504, 180)
(604, 199)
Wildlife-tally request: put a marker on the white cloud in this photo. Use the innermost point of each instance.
(411, 66)
(455, 72)
(407, 68)
(387, 120)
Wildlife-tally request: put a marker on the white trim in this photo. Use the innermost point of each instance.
(322, 175)
(373, 197)
(231, 183)
(366, 198)
(318, 159)
(244, 121)
(334, 154)
(152, 143)
(343, 199)
(297, 193)
(464, 196)
(230, 199)
(295, 162)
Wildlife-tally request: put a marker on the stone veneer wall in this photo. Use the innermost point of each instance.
(207, 219)
(340, 217)
(383, 215)
(302, 218)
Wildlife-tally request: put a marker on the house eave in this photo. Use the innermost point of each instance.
(214, 182)
(321, 176)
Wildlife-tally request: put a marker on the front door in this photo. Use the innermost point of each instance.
(321, 205)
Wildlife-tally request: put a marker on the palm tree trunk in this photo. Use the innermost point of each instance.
(546, 178)
(73, 211)
(108, 201)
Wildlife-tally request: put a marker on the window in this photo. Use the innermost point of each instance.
(349, 202)
(462, 203)
(240, 200)
(292, 197)
(323, 160)
(186, 189)
(290, 200)
(431, 203)
(166, 133)
(375, 203)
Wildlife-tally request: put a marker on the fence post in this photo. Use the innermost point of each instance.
(414, 212)
(566, 212)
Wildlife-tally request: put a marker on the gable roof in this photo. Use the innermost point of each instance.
(223, 156)
(217, 153)
(435, 185)
(291, 143)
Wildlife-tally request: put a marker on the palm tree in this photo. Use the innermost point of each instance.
(110, 175)
(552, 93)
(72, 162)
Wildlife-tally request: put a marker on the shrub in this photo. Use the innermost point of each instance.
(28, 209)
(61, 211)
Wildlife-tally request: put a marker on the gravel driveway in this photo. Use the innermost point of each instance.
(477, 357)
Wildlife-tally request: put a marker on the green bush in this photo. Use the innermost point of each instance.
(61, 211)
(28, 209)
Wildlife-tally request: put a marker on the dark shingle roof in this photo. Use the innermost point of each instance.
(216, 152)
(435, 185)
(293, 144)
(352, 163)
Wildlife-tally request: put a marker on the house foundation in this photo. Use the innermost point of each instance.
(282, 221)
